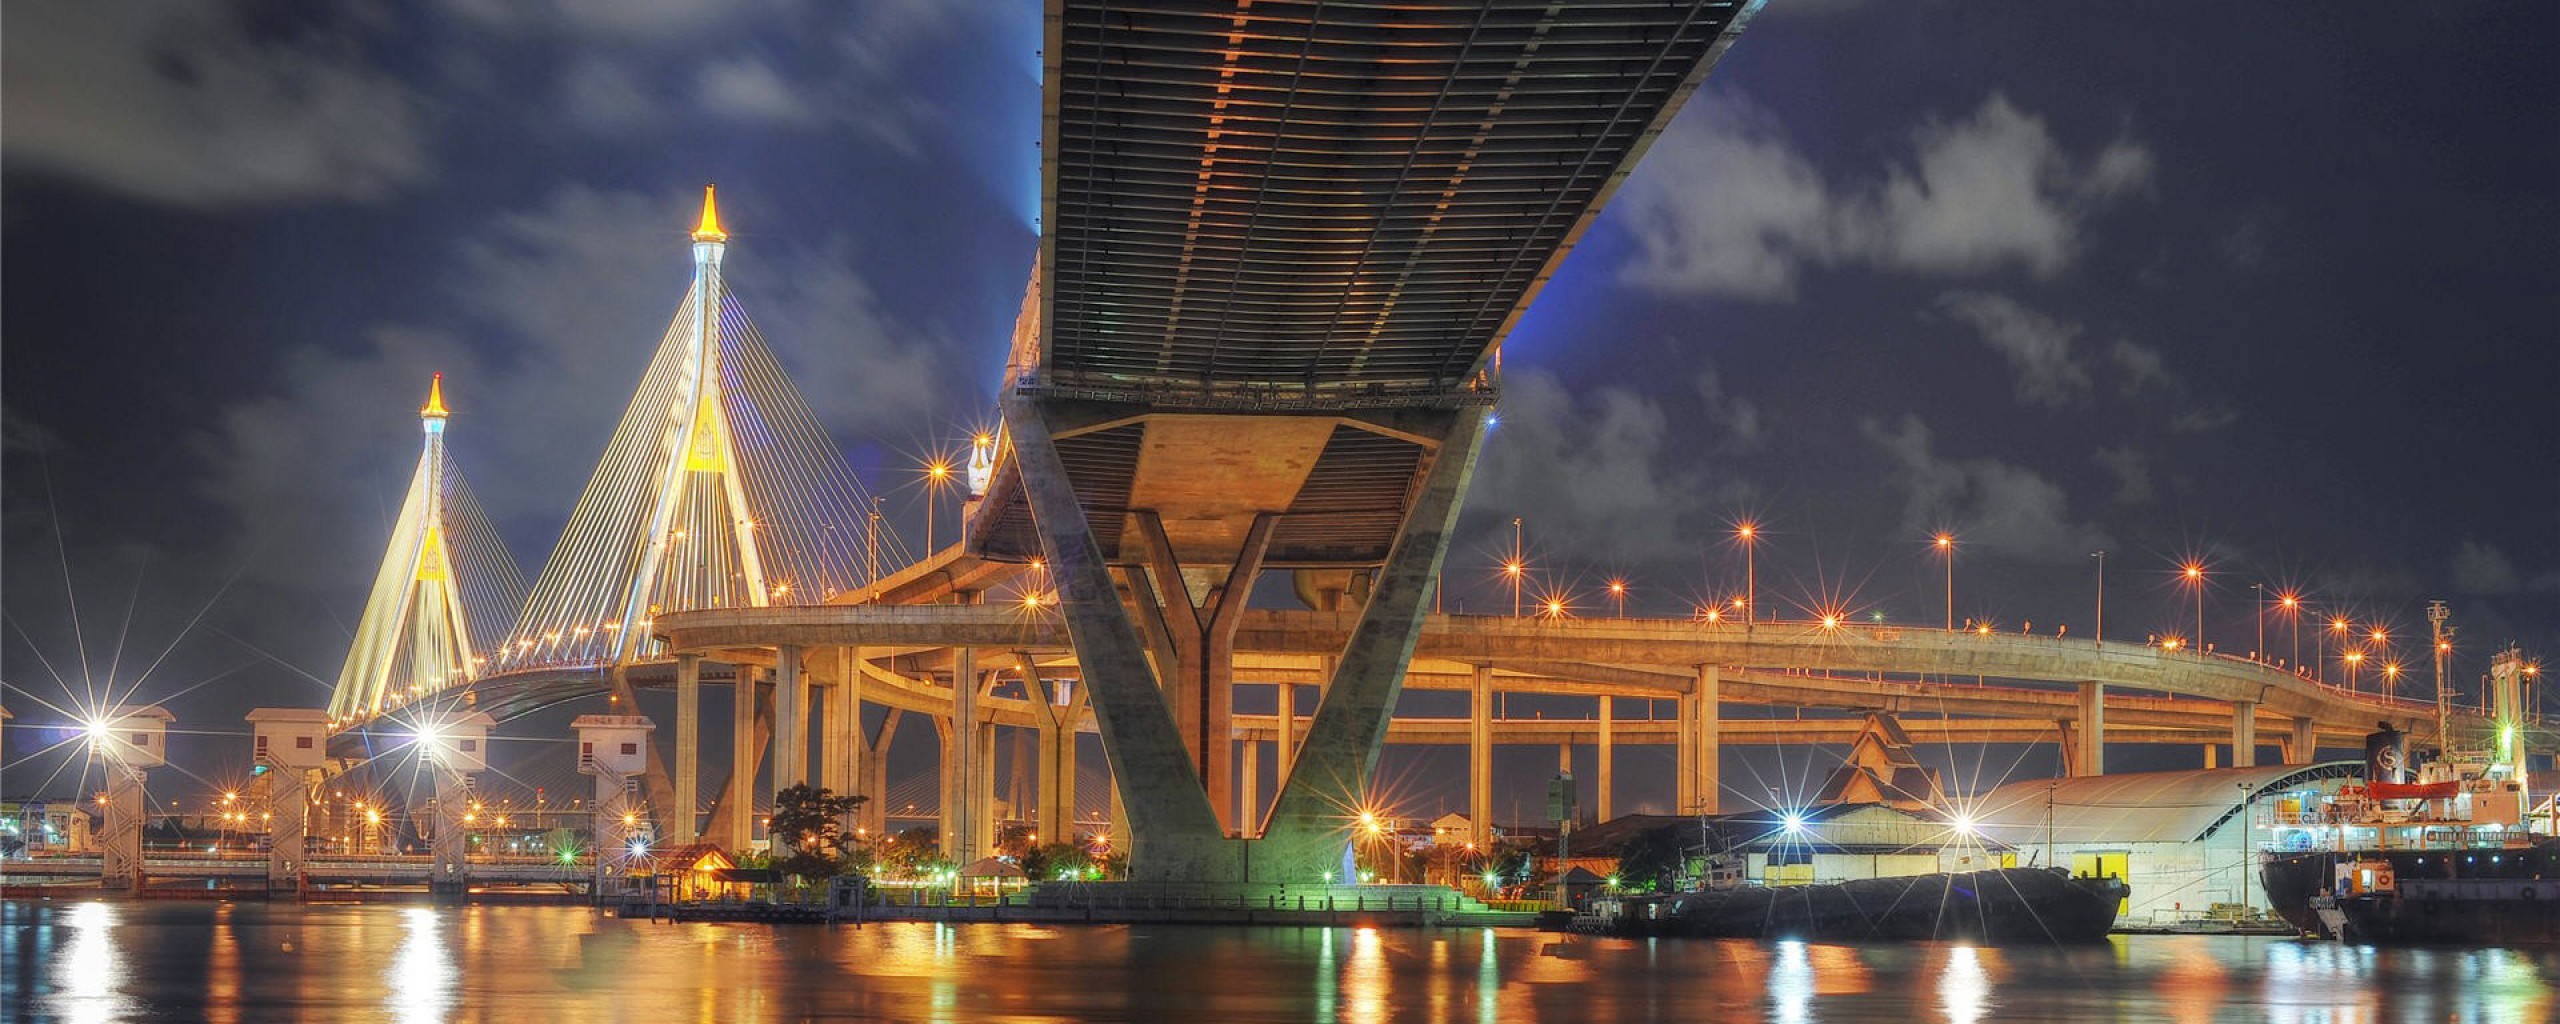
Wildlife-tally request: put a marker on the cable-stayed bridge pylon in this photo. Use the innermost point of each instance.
(446, 589)
(719, 489)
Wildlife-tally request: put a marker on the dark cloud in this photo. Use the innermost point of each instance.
(1599, 477)
(185, 104)
(1995, 505)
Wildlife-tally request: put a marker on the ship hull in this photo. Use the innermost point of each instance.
(2009, 906)
(2491, 897)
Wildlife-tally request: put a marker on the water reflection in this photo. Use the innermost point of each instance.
(100, 962)
(88, 977)
(422, 975)
(1964, 988)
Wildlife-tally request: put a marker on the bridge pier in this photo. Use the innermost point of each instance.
(841, 749)
(2244, 734)
(1480, 760)
(290, 743)
(2092, 733)
(1605, 772)
(873, 815)
(968, 764)
(1699, 787)
(2304, 745)
(684, 820)
(1056, 756)
(790, 719)
(736, 818)
(1199, 631)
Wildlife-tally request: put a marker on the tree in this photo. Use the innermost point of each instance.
(1053, 860)
(808, 821)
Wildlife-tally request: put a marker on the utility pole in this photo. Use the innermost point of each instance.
(871, 541)
(2260, 652)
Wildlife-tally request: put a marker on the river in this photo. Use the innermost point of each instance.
(90, 961)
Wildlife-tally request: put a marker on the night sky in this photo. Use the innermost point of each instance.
(2273, 286)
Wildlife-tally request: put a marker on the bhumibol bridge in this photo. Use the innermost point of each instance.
(1283, 243)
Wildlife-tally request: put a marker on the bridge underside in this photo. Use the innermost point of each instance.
(1281, 243)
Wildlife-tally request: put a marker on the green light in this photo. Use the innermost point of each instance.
(568, 856)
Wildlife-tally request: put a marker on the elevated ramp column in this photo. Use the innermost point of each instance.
(2244, 734)
(2092, 733)
(684, 820)
(1480, 760)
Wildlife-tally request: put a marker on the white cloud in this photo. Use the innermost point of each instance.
(1998, 506)
(181, 103)
(750, 89)
(2037, 346)
(1725, 204)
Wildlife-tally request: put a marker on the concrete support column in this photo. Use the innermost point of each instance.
(1249, 788)
(1701, 730)
(739, 806)
(2211, 755)
(840, 729)
(959, 735)
(1200, 632)
(120, 844)
(684, 822)
(981, 802)
(1350, 727)
(873, 815)
(1174, 832)
(2244, 734)
(1284, 742)
(2306, 742)
(1480, 761)
(1606, 770)
(790, 719)
(2092, 738)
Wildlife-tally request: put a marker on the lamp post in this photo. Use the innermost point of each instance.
(2355, 660)
(1516, 567)
(2260, 589)
(2192, 574)
(1947, 550)
(2101, 632)
(937, 475)
(1618, 597)
(1747, 532)
(2291, 602)
(2338, 627)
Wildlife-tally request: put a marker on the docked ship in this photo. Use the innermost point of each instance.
(2006, 906)
(2450, 853)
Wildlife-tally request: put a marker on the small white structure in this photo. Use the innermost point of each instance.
(2184, 841)
(454, 748)
(129, 742)
(615, 749)
(288, 744)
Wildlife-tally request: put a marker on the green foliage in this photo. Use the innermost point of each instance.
(1046, 862)
(808, 828)
(1651, 859)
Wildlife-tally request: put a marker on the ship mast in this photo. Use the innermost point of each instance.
(2441, 645)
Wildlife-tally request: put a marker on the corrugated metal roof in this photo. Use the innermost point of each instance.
(2137, 807)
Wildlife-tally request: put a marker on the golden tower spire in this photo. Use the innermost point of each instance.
(709, 229)
(435, 399)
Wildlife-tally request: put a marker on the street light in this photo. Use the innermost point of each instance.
(937, 475)
(2192, 575)
(2291, 602)
(1618, 597)
(1947, 550)
(2355, 660)
(1516, 567)
(1748, 532)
